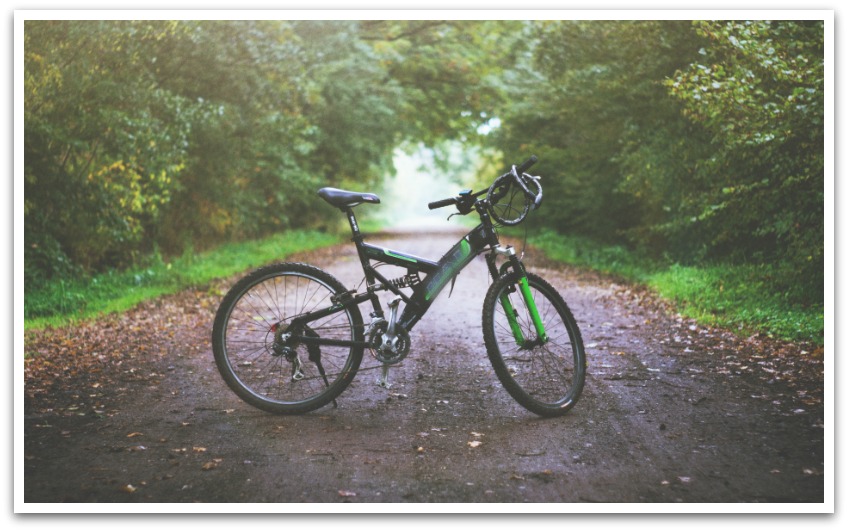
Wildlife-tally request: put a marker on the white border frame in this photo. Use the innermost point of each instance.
(527, 12)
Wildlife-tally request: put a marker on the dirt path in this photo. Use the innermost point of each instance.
(671, 412)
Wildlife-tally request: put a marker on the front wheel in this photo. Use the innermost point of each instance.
(259, 366)
(544, 372)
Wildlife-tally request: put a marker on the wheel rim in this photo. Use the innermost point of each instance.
(260, 313)
(546, 372)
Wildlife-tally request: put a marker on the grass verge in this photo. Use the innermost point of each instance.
(747, 298)
(64, 302)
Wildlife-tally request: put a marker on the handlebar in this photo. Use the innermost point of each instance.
(442, 203)
(517, 172)
(521, 180)
(524, 166)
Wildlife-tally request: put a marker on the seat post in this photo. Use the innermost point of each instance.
(358, 240)
(354, 227)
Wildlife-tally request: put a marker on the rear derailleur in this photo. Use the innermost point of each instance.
(284, 346)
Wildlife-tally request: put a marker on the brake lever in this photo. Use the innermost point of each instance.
(464, 204)
(537, 200)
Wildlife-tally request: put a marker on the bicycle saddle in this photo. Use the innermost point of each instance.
(345, 199)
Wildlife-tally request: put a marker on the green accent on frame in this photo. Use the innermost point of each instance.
(512, 319)
(400, 256)
(457, 262)
(531, 307)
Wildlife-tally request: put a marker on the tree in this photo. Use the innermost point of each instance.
(691, 140)
(758, 89)
(172, 135)
(590, 101)
(102, 146)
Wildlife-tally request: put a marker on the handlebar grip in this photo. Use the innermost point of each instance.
(442, 203)
(524, 166)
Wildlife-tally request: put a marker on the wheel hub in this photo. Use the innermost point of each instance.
(281, 345)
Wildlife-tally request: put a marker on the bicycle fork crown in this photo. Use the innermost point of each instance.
(509, 250)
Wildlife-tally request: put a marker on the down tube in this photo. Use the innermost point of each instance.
(454, 261)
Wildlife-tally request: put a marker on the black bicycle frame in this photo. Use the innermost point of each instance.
(478, 240)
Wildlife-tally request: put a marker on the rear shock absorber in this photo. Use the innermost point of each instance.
(407, 281)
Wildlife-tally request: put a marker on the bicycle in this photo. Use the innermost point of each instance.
(289, 338)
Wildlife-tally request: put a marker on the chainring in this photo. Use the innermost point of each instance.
(391, 357)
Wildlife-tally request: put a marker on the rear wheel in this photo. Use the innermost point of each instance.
(543, 374)
(255, 360)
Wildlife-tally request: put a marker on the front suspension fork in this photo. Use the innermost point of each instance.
(524, 288)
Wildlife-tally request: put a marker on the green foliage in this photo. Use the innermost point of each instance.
(113, 291)
(690, 141)
(746, 298)
(582, 251)
(177, 134)
(758, 90)
(592, 95)
(101, 146)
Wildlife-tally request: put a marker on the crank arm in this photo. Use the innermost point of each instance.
(383, 379)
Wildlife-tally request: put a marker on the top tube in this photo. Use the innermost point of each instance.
(398, 258)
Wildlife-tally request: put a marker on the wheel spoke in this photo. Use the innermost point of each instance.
(287, 377)
(544, 376)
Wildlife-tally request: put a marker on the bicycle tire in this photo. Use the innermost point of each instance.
(545, 378)
(243, 338)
